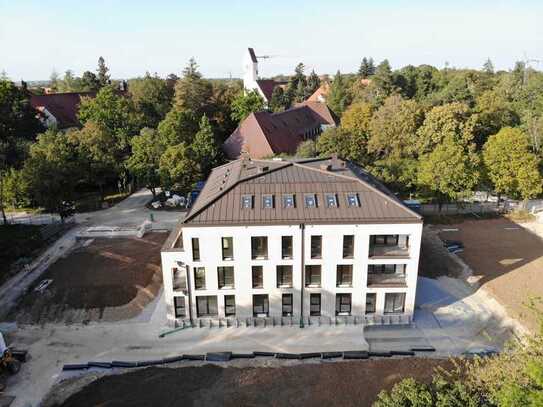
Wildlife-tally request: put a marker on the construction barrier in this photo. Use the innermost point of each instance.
(227, 356)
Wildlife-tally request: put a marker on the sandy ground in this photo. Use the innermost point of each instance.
(507, 261)
(267, 383)
(101, 279)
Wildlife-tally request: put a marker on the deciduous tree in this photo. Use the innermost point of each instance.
(144, 161)
(246, 103)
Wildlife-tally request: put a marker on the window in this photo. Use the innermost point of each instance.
(195, 249)
(261, 305)
(348, 246)
(284, 276)
(179, 306)
(331, 201)
(343, 304)
(371, 301)
(229, 305)
(286, 247)
(287, 305)
(199, 278)
(288, 201)
(267, 201)
(179, 279)
(206, 306)
(386, 269)
(227, 248)
(226, 277)
(315, 305)
(384, 240)
(247, 202)
(344, 275)
(258, 277)
(259, 247)
(316, 247)
(310, 201)
(313, 275)
(394, 303)
(352, 200)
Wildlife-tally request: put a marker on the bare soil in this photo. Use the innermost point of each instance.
(507, 260)
(355, 383)
(108, 279)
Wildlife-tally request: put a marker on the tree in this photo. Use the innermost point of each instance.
(313, 83)
(450, 171)
(144, 161)
(306, 149)
(367, 68)
(192, 92)
(103, 75)
(298, 83)
(52, 171)
(394, 128)
(338, 98)
(357, 119)
(383, 79)
(512, 168)
(15, 189)
(488, 67)
(152, 99)
(407, 393)
(53, 80)
(19, 123)
(179, 126)
(178, 169)
(246, 103)
(90, 82)
(336, 140)
(278, 102)
(205, 148)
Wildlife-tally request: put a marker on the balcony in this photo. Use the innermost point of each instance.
(394, 280)
(389, 246)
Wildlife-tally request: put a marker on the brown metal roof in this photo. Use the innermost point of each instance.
(220, 202)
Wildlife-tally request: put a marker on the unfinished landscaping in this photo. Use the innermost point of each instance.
(100, 279)
(275, 383)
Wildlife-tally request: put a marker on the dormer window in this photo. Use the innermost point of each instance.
(331, 200)
(310, 201)
(352, 200)
(247, 202)
(267, 201)
(288, 201)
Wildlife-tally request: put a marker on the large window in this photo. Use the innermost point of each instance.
(195, 249)
(315, 305)
(316, 247)
(394, 303)
(343, 304)
(225, 277)
(179, 279)
(344, 275)
(179, 306)
(284, 276)
(371, 303)
(384, 240)
(199, 278)
(386, 269)
(261, 305)
(348, 246)
(313, 275)
(258, 277)
(287, 305)
(206, 306)
(227, 248)
(229, 305)
(259, 247)
(286, 247)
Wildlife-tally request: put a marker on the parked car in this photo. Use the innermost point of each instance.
(482, 352)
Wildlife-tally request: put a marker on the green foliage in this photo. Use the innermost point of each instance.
(306, 149)
(177, 168)
(205, 148)
(313, 83)
(144, 161)
(511, 167)
(357, 119)
(179, 126)
(103, 75)
(279, 101)
(338, 98)
(14, 189)
(152, 99)
(192, 92)
(384, 80)
(246, 103)
(338, 141)
(367, 68)
(407, 393)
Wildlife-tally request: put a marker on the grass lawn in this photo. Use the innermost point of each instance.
(16, 243)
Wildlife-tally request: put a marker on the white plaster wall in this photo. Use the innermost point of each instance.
(332, 255)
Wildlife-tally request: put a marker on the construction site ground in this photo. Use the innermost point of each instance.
(102, 279)
(506, 259)
(267, 382)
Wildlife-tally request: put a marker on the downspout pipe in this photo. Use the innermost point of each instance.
(189, 294)
(302, 264)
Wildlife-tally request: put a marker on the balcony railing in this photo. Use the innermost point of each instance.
(386, 280)
(389, 251)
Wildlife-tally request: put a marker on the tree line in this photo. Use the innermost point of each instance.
(440, 133)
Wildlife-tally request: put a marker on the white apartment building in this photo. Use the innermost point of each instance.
(313, 241)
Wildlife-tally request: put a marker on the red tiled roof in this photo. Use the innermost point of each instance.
(267, 86)
(263, 134)
(63, 106)
(320, 93)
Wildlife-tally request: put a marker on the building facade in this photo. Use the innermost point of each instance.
(287, 242)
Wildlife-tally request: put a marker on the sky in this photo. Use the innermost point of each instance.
(135, 36)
